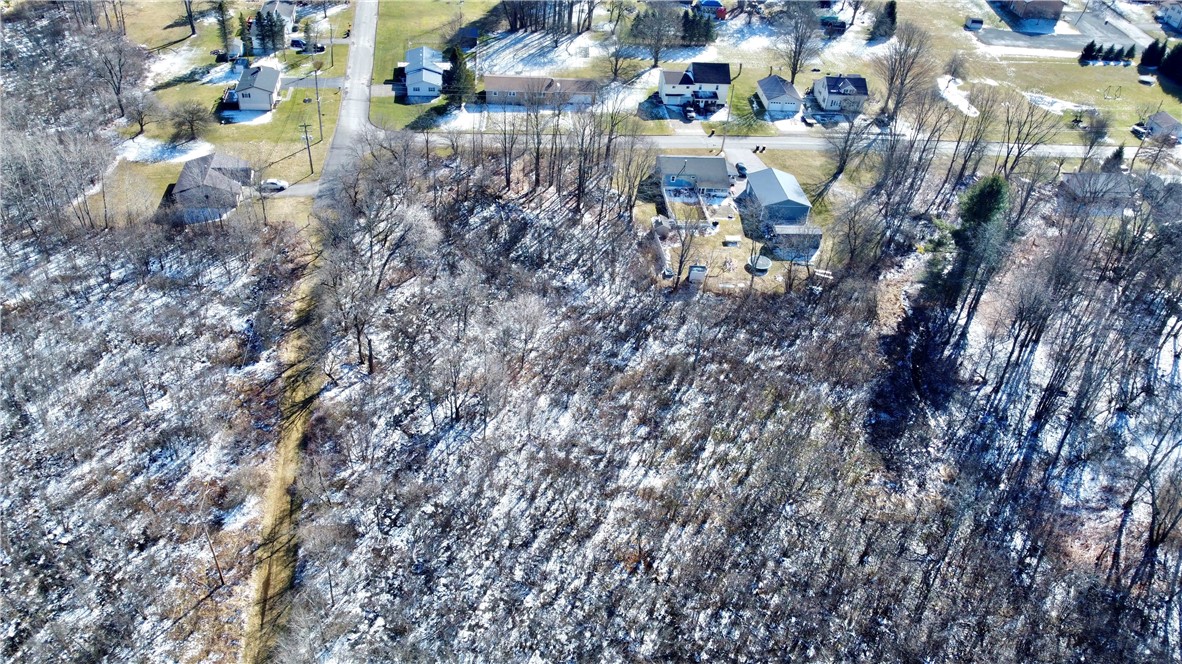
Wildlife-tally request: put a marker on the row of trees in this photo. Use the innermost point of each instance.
(1093, 53)
(659, 28)
(561, 17)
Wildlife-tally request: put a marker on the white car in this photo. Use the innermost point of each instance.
(273, 185)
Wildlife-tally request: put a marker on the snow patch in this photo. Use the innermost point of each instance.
(533, 54)
(1056, 106)
(950, 89)
(1000, 52)
(752, 36)
(247, 117)
(151, 150)
(170, 64)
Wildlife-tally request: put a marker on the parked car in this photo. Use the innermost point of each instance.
(1140, 131)
(690, 114)
(298, 43)
(319, 48)
(347, 33)
(741, 169)
(272, 185)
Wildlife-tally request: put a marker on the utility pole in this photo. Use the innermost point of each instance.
(730, 94)
(308, 145)
(332, 60)
(316, 65)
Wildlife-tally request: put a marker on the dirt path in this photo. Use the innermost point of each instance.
(275, 559)
(278, 552)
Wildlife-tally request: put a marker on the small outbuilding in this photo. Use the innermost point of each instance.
(974, 23)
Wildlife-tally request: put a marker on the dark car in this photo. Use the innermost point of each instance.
(741, 169)
(319, 48)
(298, 43)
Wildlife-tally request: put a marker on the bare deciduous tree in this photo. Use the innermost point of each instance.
(906, 67)
(798, 40)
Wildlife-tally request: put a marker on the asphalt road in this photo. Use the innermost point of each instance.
(353, 121)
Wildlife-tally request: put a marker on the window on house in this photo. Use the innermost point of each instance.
(512, 94)
(416, 88)
(245, 95)
(672, 178)
(495, 93)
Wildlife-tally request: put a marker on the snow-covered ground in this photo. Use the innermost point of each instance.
(950, 89)
(248, 117)
(533, 54)
(151, 150)
(169, 63)
(1056, 106)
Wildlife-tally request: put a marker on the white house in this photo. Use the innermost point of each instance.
(1164, 124)
(424, 75)
(704, 84)
(778, 96)
(258, 89)
(845, 93)
(1171, 15)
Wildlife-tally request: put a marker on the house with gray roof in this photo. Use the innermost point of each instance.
(207, 189)
(258, 89)
(1164, 124)
(544, 90)
(842, 93)
(704, 175)
(783, 210)
(424, 75)
(778, 96)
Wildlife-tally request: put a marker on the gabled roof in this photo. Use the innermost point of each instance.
(1091, 184)
(706, 172)
(846, 84)
(284, 9)
(710, 72)
(424, 77)
(778, 87)
(423, 57)
(772, 186)
(210, 181)
(672, 77)
(264, 78)
(540, 84)
(1164, 120)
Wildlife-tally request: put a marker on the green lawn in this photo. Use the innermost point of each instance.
(405, 24)
(390, 114)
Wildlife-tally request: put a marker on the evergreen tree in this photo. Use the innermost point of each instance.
(707, 31)
(885, 22)
(263, 27)
(1089, 52)
(244, 35)
(461, 83)
(225, 20)
(1110, 54)
(1130, 52)
(1151, 57)
(1171, 64)
(278, 32)
(1114, 161)
(687, 27)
